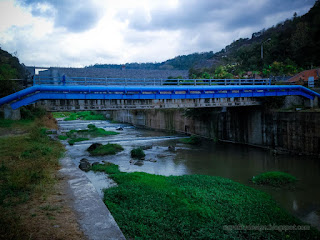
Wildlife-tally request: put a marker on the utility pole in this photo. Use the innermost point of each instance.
(262, 47)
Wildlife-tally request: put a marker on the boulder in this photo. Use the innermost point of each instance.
(95, 163)
(139, 163)
(94, 146)
(84, 165)
(172, 148)
(146, 147)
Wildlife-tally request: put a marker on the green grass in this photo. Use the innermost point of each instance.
(6, 123)
(61, 114)
(275, 179)
(107, 167)
(137, 153)
(62, 137)
(148, 206)
(74, 140)
(193, 140)
(27, 167)
(108, 149)
(85, 115)
(92, 130)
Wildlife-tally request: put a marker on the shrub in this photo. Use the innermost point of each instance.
(108, 149)
(62, 137)
(137, 153)
(275, 179)
(74, 140)
(193, 140)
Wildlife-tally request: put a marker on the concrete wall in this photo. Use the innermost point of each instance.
(295, 132)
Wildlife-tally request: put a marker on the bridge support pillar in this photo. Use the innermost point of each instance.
(312, 103)
(9, 113)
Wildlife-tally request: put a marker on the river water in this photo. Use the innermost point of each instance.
(237, 162)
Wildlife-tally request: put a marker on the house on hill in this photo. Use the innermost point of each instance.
(302, 77)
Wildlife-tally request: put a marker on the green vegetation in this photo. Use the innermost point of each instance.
(137, 153)
(92, 130)
(61, 114)
(108, 149)
(74, 140)
(10, 68)
(107, 167)
(62, 137)
(27, 166)
(148, 206)
(275, 179)
(30, 112)
(193, 140)
(7, 123)
(85, 115)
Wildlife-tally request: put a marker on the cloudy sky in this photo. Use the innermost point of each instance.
(75, 33)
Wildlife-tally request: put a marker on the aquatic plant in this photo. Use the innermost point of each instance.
(275, 179)
(137, 153)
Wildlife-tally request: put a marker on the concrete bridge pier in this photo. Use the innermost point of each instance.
(11, 114)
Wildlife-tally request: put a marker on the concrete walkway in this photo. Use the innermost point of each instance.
(94, 218)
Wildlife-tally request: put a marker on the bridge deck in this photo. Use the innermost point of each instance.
(48, 92)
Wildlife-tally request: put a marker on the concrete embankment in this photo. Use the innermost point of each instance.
(295, 132)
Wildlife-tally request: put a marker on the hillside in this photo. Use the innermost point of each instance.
(289, 47)
(10, 68)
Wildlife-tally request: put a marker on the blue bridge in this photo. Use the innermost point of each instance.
(105, 94)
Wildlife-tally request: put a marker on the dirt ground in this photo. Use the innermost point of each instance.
(51, 217)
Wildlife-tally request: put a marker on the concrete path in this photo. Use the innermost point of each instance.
(94, 218)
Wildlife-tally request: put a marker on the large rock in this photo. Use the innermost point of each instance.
(94, 146)
(84, 165)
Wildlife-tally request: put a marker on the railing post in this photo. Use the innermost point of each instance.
(34, 80)
(178, 82)
(160, 81)
(225, 82)
(253, 81)
(106, 81)
(239, 81)
(209, 82)
(195, 82)
(125, 81)
(144, 81)
(85, 81)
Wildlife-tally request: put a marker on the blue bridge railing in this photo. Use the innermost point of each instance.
(87, 81)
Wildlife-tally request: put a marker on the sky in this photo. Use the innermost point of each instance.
(78, 33)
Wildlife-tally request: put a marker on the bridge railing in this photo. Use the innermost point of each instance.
(86, 81)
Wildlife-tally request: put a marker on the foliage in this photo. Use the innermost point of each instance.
(92, 130)
(148, 206)
(31, 112)
(62, 137)
(108, 168)
(275, 179)
(61, 114)
(108, 149)
(193, 140)
(137, 153)
(85, 115)
(10, 68)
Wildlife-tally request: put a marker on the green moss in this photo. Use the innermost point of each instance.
(275, 179)
(137, 153)
(148, 206)
(92, 130)
(61, 114)
(62, 137)
(108, 149)
(193, 140)
(74, 140)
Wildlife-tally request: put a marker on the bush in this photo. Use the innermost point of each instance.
(108, 149)
(107, 167)
(193, 140)
(62, 137)
(137, 153)
(275, 179)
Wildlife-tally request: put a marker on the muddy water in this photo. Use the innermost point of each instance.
(236, 162)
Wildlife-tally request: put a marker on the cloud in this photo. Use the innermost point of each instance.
(193, 13)
(74, 15)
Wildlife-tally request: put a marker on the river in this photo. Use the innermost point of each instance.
(237, 162)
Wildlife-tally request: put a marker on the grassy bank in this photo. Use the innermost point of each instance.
(85, 115)
(150, 206)
(28, 164)
(275, 179)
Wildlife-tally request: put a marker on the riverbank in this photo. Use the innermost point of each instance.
(34, 203)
